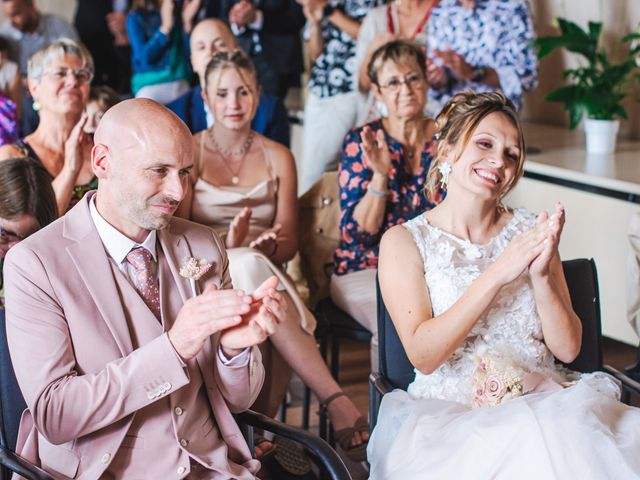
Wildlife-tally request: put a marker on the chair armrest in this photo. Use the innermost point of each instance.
(19, 465)
(378, 387)
(331, 461)
(628, 384)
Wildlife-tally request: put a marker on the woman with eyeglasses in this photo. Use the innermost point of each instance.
(381, 177)
(59, 76)
(27, 204)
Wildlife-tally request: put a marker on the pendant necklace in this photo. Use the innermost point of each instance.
(225, 154)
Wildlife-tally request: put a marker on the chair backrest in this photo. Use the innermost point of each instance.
(582, 280)
(394, 365)
(11, 402)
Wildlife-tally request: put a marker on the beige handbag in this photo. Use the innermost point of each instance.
(319, 236)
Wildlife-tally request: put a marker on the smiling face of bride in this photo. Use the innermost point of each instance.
(488, 165)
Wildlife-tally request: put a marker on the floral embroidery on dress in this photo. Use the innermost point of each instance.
(510, 325)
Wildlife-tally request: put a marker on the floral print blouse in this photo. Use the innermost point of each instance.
(495, 34)
(358, 248)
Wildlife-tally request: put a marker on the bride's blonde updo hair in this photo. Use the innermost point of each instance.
(455, 124)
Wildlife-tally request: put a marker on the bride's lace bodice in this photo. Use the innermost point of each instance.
(510, 326)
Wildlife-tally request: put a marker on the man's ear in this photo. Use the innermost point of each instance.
(100, 160)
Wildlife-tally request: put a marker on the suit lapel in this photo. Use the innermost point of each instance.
(92, 264)
(177, 252)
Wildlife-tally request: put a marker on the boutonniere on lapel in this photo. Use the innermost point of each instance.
(193, 270)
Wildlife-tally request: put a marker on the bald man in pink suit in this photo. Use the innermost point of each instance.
(128, 374)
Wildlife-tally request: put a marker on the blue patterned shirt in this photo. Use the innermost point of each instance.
(332, 72)
(494, 34)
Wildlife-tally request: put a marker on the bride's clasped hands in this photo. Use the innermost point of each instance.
(532, 250)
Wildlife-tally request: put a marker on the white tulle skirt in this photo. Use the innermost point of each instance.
(581, 432)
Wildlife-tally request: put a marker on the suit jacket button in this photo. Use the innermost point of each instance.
(178, 411)
(181, 470)
(105, 458)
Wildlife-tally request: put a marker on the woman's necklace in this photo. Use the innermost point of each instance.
(226, 154)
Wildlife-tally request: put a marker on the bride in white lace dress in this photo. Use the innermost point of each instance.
(479, 300)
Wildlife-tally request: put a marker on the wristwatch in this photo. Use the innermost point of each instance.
(478, 74)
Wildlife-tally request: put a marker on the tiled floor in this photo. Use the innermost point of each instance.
(354, 371)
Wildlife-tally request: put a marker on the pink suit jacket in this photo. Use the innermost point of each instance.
(86, 373)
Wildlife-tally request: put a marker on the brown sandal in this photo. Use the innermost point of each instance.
(344, 436)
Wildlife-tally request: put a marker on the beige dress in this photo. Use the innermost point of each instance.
(216, 206)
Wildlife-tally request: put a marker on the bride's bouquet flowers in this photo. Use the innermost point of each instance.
(496, 378)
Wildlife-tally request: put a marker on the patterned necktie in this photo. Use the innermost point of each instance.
(144, 280)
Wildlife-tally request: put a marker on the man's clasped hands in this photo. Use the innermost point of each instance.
(243, 320)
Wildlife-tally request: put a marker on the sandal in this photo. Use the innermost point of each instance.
(291, 456)
(344, 436)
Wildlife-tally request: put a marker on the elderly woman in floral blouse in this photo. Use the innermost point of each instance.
(382, 175)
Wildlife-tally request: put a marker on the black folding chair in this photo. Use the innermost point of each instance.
(582, 279)
(12, 405)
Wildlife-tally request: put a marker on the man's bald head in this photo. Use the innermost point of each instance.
(139, 122)
(208, 37)
(142, 156)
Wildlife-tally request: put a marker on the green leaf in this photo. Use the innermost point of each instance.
(576, 111)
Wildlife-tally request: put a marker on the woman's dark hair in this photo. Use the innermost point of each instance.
(106, 96)
(398, 52)
(26, 189)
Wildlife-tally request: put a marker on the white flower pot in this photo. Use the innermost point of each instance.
(601, 135)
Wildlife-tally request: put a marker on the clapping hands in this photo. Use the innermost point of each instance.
(375, 151)
(553, 224)
(267, 242)
(242, 13)
(77, 149)
(533, 249)
(239, 228)
(266, 312)
(242, 320)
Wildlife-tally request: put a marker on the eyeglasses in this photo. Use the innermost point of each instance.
(7, 237)
(412, 81)
(82, 75)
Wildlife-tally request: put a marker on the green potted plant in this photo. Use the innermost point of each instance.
(598, 86)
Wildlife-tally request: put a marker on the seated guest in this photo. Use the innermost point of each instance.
(29, 30)
(128, 371)
(478, 296)
(59, 77)
(381, 177)
(159, 48)
(27, 203)
(330, 106)
(208, 37)
(101, 99)
(480, 45)
(244, 187)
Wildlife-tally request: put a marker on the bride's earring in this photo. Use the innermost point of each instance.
(445, 169)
